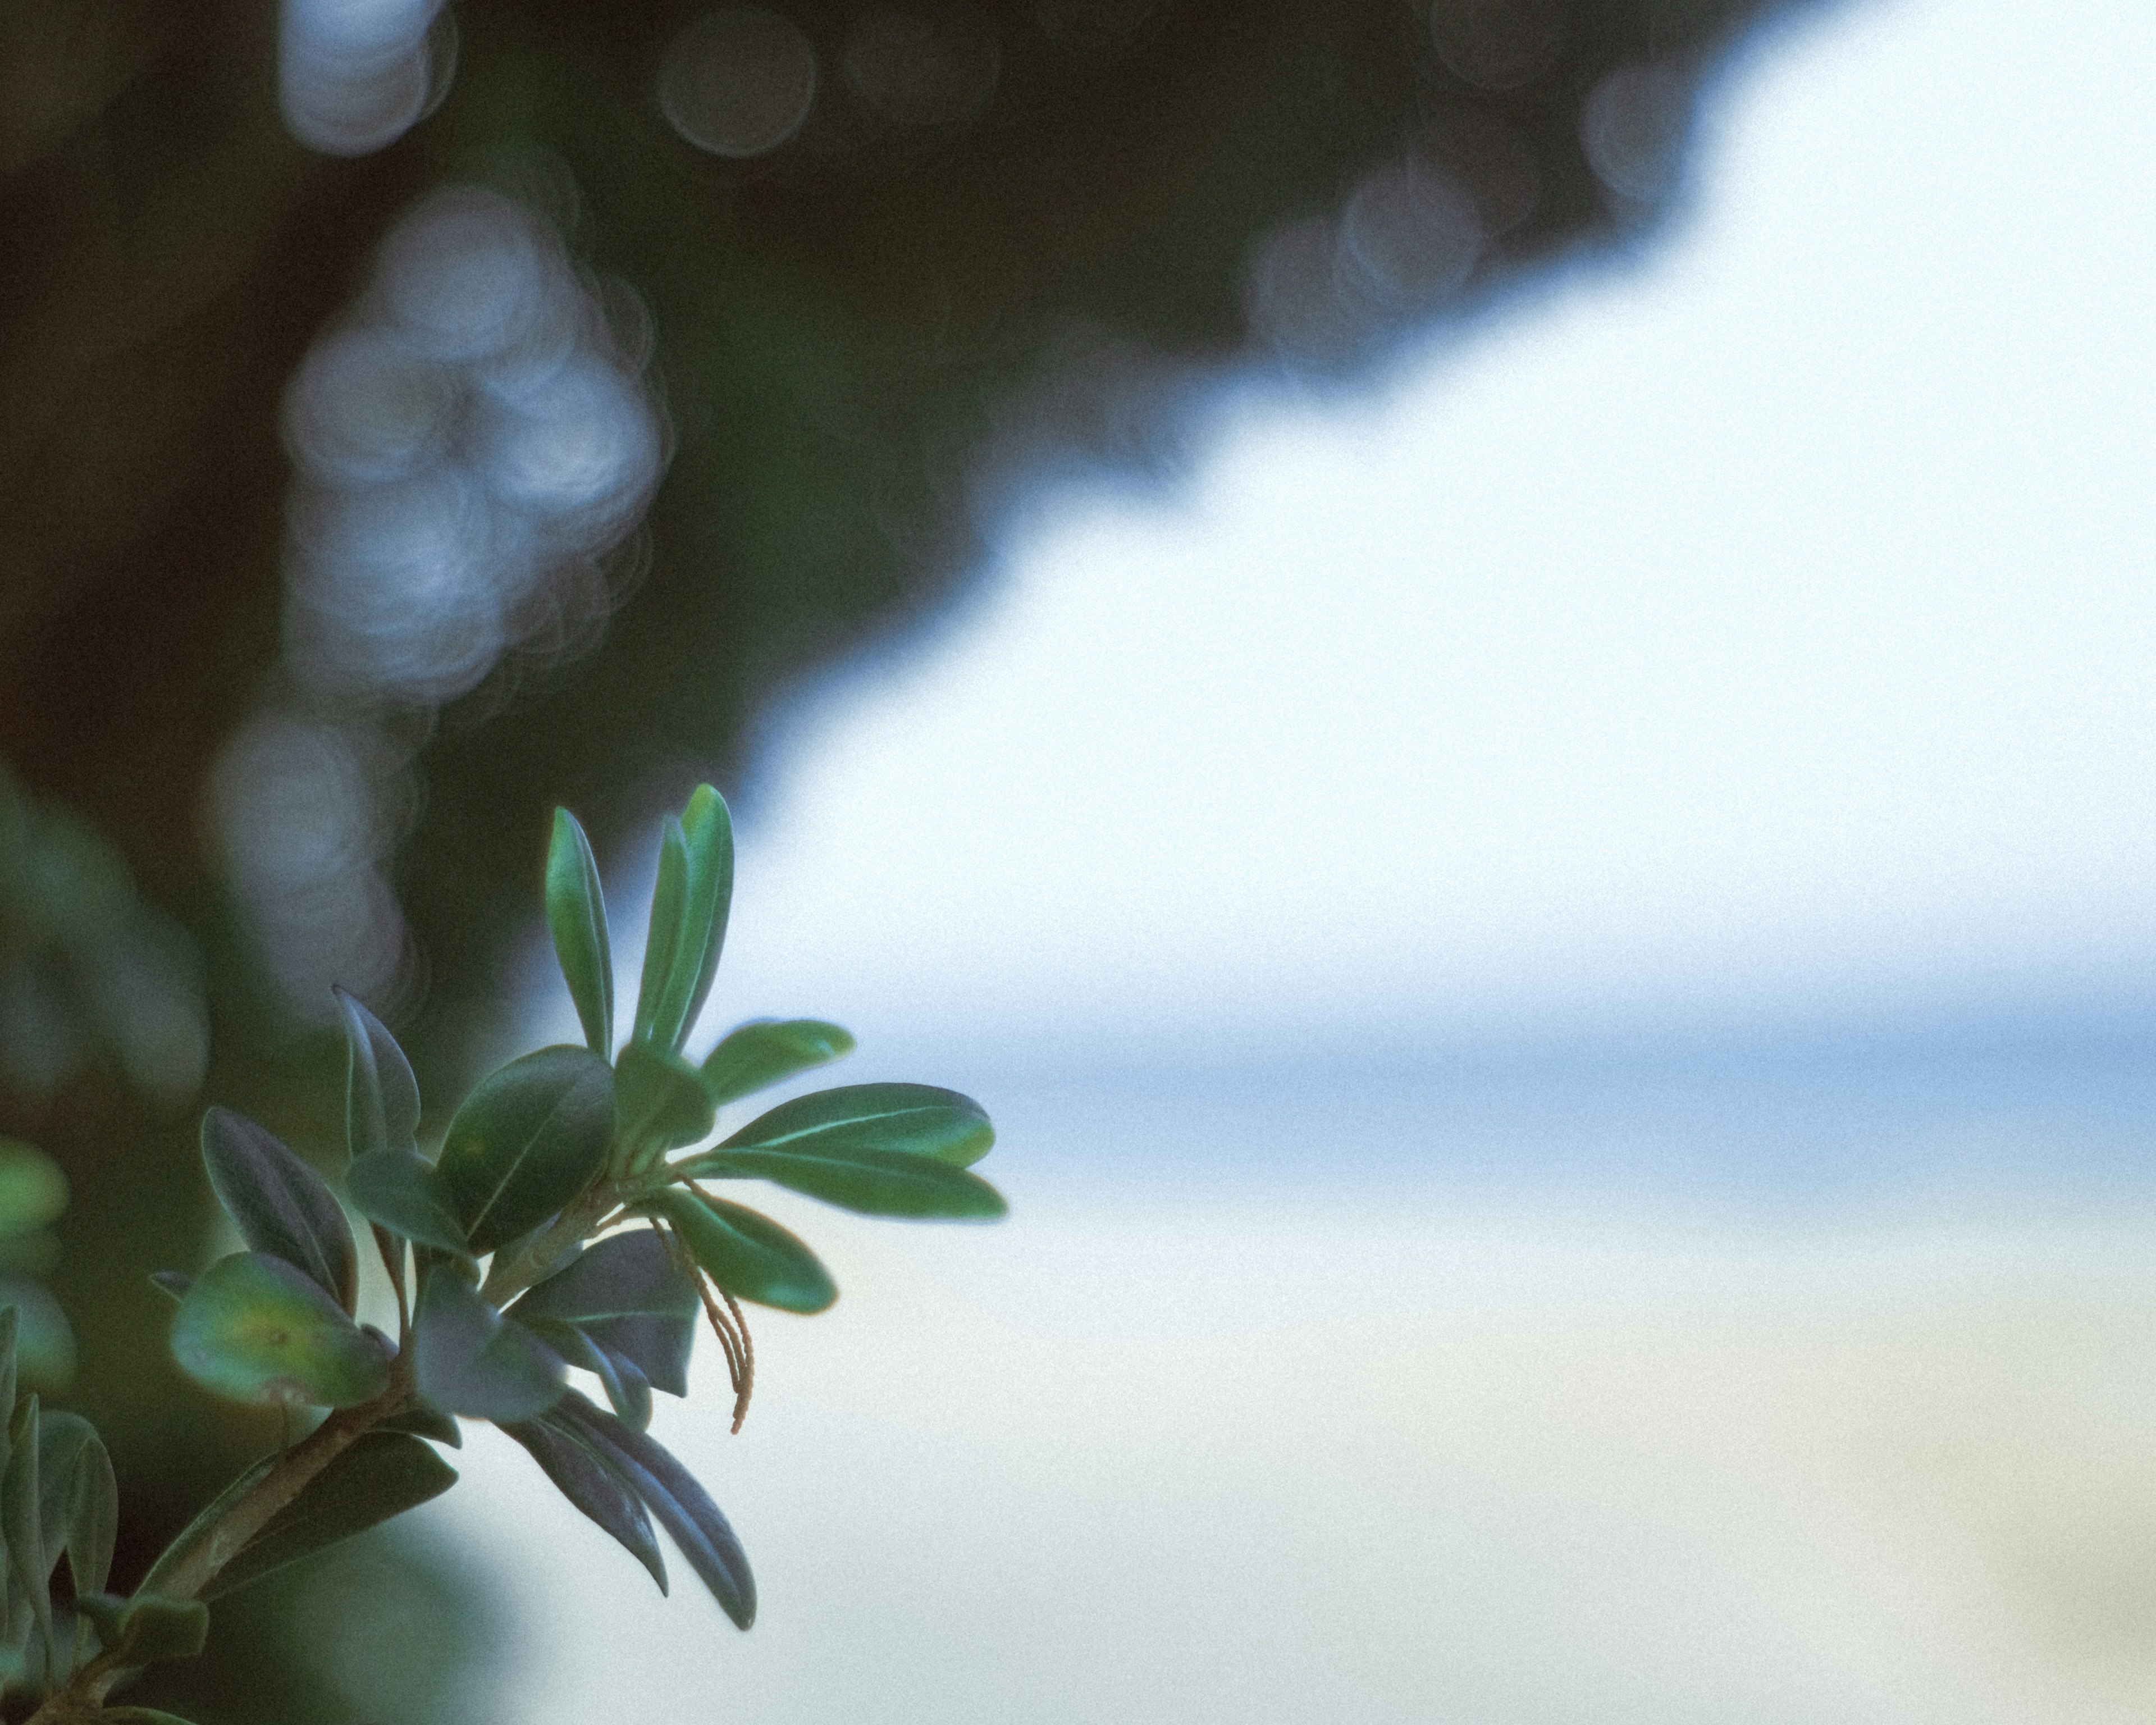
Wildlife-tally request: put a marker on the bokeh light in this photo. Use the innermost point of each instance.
(738, 82)
(353, 76)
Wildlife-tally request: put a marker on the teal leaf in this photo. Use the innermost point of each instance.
(381, 1097)
(44, 1345)
(629, 1295)
(254, 1329)
(671, 1493)
(628, 1390)
(688, 928)
(749, 1255)
(381, 1474)
(400, 1190)
(32, 1189)
(592, 1483)
(874, 1183)
(467, 1361)
(282, 1206)
(146, 1629)
(526, 1141)
(576, 917)
(63, 1438)
(660, 1102)
(764, 1051)
(92, 1517)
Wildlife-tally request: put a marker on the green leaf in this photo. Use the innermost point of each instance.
(254, 1329)
(593, 1484)
(874, 1183)
(173, 1283)
(688, 927)
(29, 1570)
(526, 1141)
(763, 1051)
(207, 1519)
(146, 1629)
(381, 1474)
(44, 1345)
(749, 1255)
(672, 1494)
(93, 1518)
(11, 1331)
(660, 1102)
(467, 1361)
(402, 1191)
(627, 1389)
(62, 1441)
(914, 1119)
(381, 1097)
(576, 917)
(282, 1206)
(32, 1189)
(629, 1296)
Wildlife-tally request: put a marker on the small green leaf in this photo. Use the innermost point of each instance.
(660, 1102)
(467, 1361)
(763, 1051)
(63, 1439)
(282, 1206)
(402, 1191)
(872, 1183)
(254, 1329)
(629, 1296)
(683, 1509)
(593, 1484)
(382, 1474)
(915, 1119)
(146, 1629)
(32, 1189)
(576, 917)
(749, 1255)
(93, 1518)
(688, 928)
(526, 1141)
(381, 1097)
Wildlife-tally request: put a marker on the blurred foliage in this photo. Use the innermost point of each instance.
(850, 335)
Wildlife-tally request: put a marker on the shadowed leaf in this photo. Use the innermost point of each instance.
(147, 1628)
(382, 1474)
(576, 917)
(400, 1190)
(29, 1570)
(281, 1206)
(469, 1362)
(659, 1102)
(749, 1255)
(526, 1141)
(593, 1484)
(627, 1295)
(681, 1505)
(423, 1421)
(764, 1051)
(381, 1097)
(254, 1329)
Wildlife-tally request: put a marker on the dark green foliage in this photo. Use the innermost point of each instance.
(281, 1205)
(749, 1255)
(381, 1097)
(682, 1507)
(382, 1474)
(254, 1329)
(918, 1119)
(583, 1475)
(469, 1360)
(526, 1141)
(576, 917)
(659, 1102)
(424, 1421)
(148, 1627)
(869, 1181)
(626, 1295)
(688, 924)
(403, 1192)
(765, 1051)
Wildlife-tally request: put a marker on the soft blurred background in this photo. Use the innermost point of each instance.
(1482, 665)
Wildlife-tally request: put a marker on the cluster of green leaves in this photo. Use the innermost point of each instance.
(558, 1227)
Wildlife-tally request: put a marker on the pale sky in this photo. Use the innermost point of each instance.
(1763, 624)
